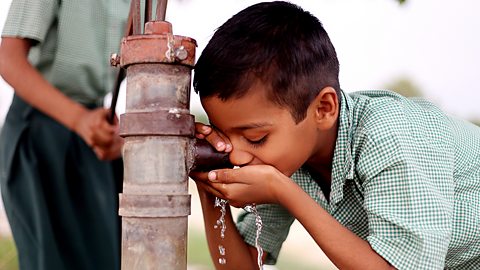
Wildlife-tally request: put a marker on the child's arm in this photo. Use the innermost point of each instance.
(32, 87)
(265, 184)
(238, 254)
(345, 249)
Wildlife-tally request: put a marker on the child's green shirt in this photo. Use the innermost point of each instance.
(73, 42)
(405, 177)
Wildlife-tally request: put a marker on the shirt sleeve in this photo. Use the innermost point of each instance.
(30, 19)
(408, 196)
(276, 225)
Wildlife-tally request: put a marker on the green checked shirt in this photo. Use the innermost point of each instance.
(74, 40)
(405, 178)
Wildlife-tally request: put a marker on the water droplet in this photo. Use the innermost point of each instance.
(221, 250)
(248, 208)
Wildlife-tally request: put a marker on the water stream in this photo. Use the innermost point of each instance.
(221, 224)
(258, 223)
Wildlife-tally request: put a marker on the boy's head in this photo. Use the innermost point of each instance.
(276, 44)
(268, 80)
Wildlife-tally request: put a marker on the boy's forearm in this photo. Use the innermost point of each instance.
(345, 249)
(30, 85)
(237, 252)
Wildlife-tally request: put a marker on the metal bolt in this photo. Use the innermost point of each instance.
(114, 60)
(180, 53)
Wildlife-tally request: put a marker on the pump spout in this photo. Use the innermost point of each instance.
(206, 158)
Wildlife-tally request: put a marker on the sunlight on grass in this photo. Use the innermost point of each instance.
(199, 256)
(8, 254)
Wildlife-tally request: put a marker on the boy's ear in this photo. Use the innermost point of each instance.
(325, 108)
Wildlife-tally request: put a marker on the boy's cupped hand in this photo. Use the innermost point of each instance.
(243, 186)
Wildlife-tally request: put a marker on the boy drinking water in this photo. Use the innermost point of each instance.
(378, 181)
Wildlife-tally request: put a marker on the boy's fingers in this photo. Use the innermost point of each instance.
(219, 141)
(228, 145)
(202, 129)
(199, 136)
(209, 189)
(225, 176)
(216, 141)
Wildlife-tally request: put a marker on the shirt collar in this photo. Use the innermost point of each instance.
(342, 164)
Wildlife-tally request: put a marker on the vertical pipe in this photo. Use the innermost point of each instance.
(159, 148)
(148, 10)
(158, 130)
(161, 10)
(155, 204)
(136, 18)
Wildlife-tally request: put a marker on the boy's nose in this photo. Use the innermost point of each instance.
(239, 157)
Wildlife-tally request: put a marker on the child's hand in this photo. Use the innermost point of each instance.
(99, 134)
(246, 185)
(110, 152)
(217, 139)
(94, 128)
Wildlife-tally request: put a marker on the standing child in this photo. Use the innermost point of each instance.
(378, 181)
(59, 196)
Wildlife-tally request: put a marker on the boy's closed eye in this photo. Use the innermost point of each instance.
(257, 142)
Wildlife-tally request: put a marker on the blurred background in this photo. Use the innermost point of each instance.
(428, 48)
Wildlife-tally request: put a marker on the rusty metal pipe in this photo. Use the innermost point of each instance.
(148, 10)
(160, 149)
(161, 10)
(159, 152)
(136, 18)
(155, 203)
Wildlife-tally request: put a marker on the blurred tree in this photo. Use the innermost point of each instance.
(405, 87)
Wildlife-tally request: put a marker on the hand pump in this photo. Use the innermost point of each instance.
(160, 148)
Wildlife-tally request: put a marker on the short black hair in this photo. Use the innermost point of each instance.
(275, 43)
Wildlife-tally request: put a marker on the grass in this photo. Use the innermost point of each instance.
(198, 254)
(8, 254)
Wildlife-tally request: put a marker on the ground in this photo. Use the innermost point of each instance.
(300, 252)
